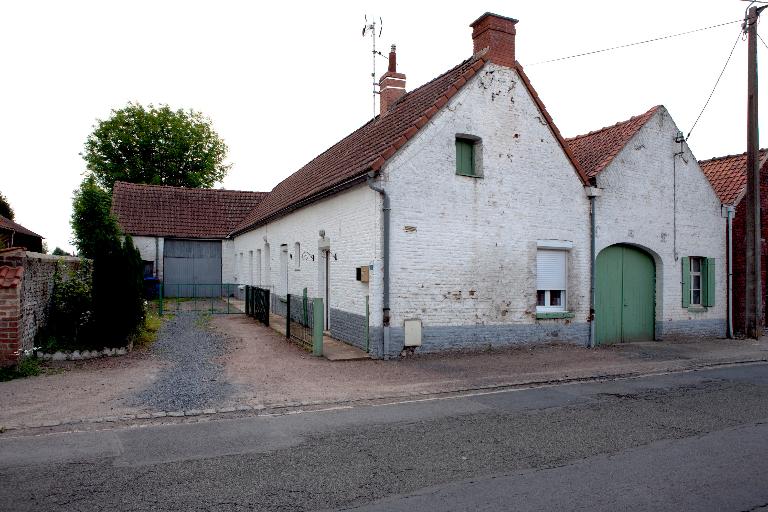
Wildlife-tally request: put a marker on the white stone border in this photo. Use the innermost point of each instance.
(77, 355)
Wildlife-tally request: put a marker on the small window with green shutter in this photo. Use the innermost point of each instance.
(698, 282)
(467, 161)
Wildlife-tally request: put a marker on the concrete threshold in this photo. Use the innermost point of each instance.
(333, 349)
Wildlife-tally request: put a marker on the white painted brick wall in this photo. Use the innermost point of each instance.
(471, 259)
(349, 220)
(637, 208)
(229, 272)
(149, 251)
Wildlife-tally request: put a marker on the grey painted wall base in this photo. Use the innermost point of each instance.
(440, 338)
(348, 327)
(689, 329)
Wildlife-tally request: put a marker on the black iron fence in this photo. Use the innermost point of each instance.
(257, 303)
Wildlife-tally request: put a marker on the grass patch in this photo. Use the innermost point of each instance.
(203, 320)
(148, 332)
(27, 367)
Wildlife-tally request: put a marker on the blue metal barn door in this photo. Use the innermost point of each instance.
(192, 268)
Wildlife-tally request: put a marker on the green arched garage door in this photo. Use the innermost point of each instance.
(625, 284)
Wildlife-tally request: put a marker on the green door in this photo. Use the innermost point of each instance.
(625, 283)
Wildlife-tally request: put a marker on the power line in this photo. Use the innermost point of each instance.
(761, 40)
(635, 43)
(715, 87)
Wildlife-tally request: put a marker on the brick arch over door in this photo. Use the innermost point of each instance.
(625, 291)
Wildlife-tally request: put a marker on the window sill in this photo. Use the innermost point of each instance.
(553, 315)
(696, 309)
(467, 175)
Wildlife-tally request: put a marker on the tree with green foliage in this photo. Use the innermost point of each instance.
(94, 226)
(58, 251)
(156, 145)
(116, 291)
(5, 207)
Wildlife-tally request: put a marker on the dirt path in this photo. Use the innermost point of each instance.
(77, 389)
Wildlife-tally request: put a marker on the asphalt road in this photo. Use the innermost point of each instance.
(689, 441)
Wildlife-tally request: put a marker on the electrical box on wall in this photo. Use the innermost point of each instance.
(412, 328)
(362, 274)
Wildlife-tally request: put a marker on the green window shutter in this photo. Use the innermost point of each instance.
(686, 264)
(465, 157)
(708, 286)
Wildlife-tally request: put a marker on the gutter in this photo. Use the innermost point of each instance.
(385, 257)
(592, 194)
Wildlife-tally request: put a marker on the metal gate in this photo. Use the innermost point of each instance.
(257, 303)
(192, 268)
(299, 323)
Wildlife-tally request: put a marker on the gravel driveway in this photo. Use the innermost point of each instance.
(193, 377)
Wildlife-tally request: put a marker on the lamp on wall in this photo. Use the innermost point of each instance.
(322, 233)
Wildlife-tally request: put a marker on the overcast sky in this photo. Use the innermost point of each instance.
(282, 81)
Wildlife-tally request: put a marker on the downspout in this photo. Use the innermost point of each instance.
(385, 256)
(592, 194)
(157, 257)
(729, 212)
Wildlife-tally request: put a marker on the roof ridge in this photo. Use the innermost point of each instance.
(726, 157)
(176, 187)
(619, 123)
(413, 110)
(377, 117)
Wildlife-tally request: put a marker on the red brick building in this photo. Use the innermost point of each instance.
(728, 175)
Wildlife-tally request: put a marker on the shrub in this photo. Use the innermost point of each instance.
(70, 321)
(27, 367)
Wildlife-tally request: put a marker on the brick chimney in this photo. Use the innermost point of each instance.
(391, 85)
(497, 33)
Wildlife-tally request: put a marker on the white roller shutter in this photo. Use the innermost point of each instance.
(550, 270)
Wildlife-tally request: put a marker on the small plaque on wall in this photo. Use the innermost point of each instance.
(362, 273)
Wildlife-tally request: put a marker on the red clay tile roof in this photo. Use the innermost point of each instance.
(6, 223)
(728, 175)
(157, 210)
(10, 277)
(595, 150)
(348, 161)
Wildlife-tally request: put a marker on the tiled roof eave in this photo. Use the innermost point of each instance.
(323, 194)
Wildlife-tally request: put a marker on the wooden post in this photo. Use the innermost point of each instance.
(754, 299)
(317, 327)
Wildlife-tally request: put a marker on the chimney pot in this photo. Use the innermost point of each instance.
(391, 84)
(497, 34)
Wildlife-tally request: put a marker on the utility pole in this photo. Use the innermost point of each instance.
(754, 295)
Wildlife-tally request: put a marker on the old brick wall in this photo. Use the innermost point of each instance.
(739, 256)
(24, 308)
(36, 293)
(9, 322)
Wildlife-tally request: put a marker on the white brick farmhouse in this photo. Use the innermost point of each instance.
(459, 217)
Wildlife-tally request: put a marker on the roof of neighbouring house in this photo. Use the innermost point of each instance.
(158, 210)
(6, 223)
(596, 149)
(728, 175)
(10, 277)
(367, 149)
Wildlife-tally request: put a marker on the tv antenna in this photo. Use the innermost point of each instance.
(370, 28)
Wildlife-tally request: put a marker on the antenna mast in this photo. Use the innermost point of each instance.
(371, 27)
